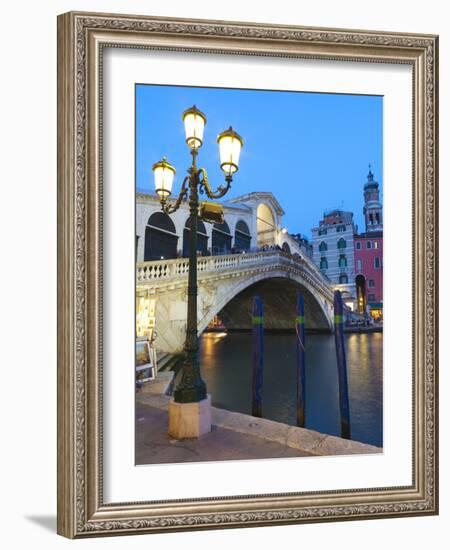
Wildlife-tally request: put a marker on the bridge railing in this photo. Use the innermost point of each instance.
(164, 269)
(152, 271)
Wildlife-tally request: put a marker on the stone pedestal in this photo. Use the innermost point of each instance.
(188, 420)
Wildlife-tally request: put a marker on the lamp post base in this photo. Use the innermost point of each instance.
(189, 420)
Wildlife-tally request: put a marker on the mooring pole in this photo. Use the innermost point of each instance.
(344, 406)
(258, 355)
(300, 333)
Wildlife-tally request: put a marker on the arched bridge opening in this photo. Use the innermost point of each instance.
(279, 296)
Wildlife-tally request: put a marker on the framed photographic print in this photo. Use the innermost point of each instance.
(251, 211)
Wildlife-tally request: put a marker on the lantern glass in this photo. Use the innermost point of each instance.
(230, 145)
(194, 125)
(164, 173)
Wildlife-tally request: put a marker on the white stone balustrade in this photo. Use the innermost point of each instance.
(159, 270)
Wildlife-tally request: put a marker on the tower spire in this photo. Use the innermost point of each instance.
(373, 209)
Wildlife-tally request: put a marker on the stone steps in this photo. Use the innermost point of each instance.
(166, 361)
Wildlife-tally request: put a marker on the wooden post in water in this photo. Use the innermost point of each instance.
(344, 406)
(300, 333)
(258, 355)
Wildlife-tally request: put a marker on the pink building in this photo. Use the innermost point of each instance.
(368, 249)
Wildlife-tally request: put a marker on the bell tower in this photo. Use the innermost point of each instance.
(373, 209)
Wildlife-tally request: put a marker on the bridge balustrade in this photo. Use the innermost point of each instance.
(147, 272)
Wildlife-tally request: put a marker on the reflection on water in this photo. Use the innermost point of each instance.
(227, 371)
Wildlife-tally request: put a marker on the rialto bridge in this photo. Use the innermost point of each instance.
(250, 253)
(226, 286)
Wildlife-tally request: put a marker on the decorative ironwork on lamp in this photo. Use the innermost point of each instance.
(191, 387)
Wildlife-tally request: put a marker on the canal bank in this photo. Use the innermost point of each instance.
(234, 436)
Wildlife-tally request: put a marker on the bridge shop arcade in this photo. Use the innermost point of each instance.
(250, 222)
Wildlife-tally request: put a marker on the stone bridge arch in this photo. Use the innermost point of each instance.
(231, 298)
(278, 290)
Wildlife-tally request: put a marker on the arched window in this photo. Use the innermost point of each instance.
(160, 238)
(221, 239)
(342, 260)
(242, 237)
(286, 248)
(323, 246)
(343, 279)
(202, 237)
(323, 263)
(342, 243)
(265, 225)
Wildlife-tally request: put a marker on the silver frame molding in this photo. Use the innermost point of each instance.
(81, 38)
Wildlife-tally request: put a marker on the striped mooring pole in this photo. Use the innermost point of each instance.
(344, 406)
(258, 355)
(300, 332)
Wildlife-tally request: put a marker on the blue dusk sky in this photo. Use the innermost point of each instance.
(311, 150)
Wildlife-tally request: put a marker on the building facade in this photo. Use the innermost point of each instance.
(369, 253)
(353, 261)
(333, 251)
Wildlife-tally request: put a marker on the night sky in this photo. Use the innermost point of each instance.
(311, 150)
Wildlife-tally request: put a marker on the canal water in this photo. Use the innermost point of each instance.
(227, 370)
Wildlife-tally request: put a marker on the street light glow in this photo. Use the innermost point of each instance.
(194, 126)
(230, 145)
(164, 173)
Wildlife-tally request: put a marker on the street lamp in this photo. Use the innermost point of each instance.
(164, 174)
(194, 126)
(191, 388)
(230, 145)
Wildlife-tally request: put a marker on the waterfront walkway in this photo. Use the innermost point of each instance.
(234, 436)
(154, 446)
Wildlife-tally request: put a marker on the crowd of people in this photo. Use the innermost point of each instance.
(237, 250)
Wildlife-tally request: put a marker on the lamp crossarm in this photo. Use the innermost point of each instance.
(170, 208)
(206, 187)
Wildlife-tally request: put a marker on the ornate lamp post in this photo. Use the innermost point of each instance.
(189, 411)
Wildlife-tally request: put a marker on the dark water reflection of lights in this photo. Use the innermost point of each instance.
(226, 368)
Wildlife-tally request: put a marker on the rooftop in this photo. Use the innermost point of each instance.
(369, 235)
(266, 196)
(152, 197)
(370, 180)
(335, 217)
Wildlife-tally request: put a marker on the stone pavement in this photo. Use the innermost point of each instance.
(234, 436)
(154, 446)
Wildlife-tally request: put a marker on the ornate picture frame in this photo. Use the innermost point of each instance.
(82, 38)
